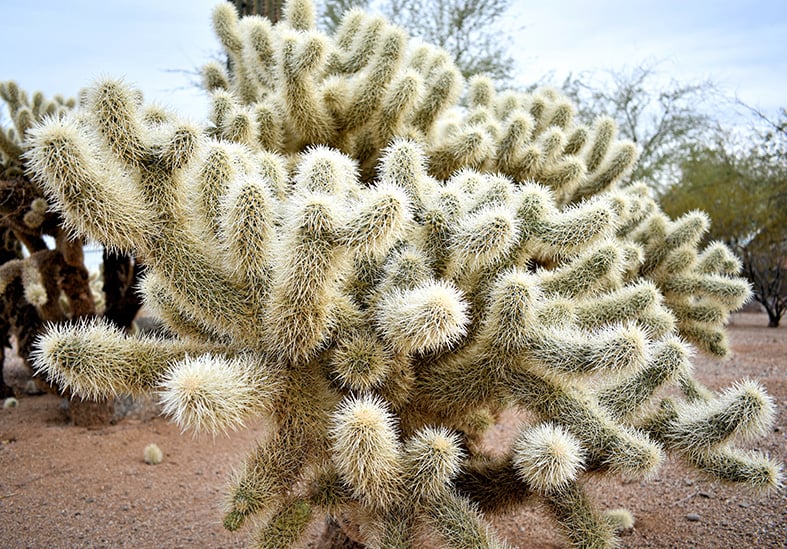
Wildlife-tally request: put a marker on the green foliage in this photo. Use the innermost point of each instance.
(713, 181)
(744, 194)
(381, 273)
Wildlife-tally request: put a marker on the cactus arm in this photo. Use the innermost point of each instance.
(96, 360)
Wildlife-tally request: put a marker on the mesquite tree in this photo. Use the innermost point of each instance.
(381, 273)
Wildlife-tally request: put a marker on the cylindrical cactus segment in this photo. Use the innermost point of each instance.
(547, 458)
(111, 212)
(367, 453)
(96, 360)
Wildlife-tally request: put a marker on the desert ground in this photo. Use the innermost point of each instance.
(68, 486)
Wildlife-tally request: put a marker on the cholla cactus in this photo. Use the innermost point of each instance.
(24, 112)
(28, 217)
(29, 298)
(48, 281)
(381, 273)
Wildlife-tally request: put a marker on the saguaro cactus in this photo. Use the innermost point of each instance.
(381, 273)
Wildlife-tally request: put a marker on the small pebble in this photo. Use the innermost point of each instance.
(692, 517)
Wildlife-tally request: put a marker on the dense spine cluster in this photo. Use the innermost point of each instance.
(381, 272)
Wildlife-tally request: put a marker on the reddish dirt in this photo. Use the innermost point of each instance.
(66, 486)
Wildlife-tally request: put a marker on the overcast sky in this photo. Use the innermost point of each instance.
(739, 44)
(59, 47)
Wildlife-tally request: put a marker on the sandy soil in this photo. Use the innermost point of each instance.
(66, 486)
